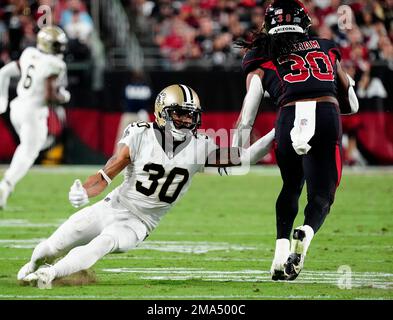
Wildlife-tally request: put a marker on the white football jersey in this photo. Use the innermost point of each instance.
(155, 180)
(36, 67)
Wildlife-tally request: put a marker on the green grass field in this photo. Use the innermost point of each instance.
(216, 243)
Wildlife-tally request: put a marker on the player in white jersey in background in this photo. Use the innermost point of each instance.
(160, 160)
(42, 73)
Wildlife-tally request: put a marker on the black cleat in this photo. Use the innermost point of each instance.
(278, 275)
(293, 266)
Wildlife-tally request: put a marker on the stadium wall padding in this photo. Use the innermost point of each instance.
(93, 117)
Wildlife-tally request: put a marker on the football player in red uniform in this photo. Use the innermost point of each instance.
(304, 78)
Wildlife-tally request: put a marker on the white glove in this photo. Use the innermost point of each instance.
(65, 94)
(3, 104)
(78, 195)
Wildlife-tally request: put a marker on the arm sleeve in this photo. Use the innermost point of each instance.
(249, 112)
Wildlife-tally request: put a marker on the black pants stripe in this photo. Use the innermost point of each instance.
(320, 168)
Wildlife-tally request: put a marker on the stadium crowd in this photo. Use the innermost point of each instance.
(203, 31)
(18, 26)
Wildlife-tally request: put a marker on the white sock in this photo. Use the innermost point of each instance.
(301, 247)
(282, 250)
(309, 236)
(83, 257)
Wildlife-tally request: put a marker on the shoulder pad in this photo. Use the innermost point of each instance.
(252, 60)
(135, 128)
(330, 47)
(141, 124)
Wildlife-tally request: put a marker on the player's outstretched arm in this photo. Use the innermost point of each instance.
(250, 108)
(6, 73)
(348, 101)
(235, 156)
(95, 184)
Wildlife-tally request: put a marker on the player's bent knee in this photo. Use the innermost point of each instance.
(30, 153)
(125, 238)
(321, 201)
(104, 244)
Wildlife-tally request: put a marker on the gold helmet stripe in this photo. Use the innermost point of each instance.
(187, 93)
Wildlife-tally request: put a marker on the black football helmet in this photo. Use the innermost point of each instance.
(284, 16)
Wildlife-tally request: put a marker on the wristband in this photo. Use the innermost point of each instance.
(104, 175)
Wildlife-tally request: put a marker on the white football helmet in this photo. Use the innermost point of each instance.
(52, 40)
(178, 100)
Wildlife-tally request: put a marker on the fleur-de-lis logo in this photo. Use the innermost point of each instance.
(161, 98)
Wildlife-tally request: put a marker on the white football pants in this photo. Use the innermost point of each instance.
(90, 234)
(32, 129)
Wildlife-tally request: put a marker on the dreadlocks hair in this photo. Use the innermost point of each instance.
(271, 46)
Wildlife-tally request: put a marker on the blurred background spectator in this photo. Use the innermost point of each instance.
(188, 33)
(136, 103)
(79, 27)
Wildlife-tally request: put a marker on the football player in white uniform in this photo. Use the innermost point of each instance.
(160, 160)
(42, 73)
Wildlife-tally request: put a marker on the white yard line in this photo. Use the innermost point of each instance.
(367, 279)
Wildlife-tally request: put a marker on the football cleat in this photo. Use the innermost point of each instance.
(45, 276)
(277, 274)
(32, 278)
(295, 261)
(27, 269)
(293, 266)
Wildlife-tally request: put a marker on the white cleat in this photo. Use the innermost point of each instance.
(45, 277)
(27, 269)
(32, 277)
